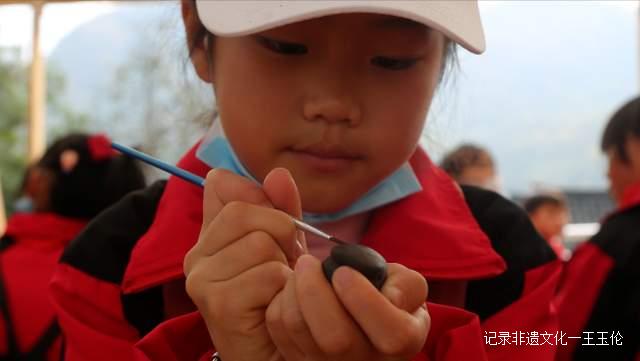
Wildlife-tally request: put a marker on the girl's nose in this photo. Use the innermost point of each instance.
(333, 107)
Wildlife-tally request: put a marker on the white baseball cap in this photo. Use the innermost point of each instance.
(459, 20)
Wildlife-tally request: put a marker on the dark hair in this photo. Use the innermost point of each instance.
(465, 156)
(94, 183)
(532, 204)
(624, 123)
(449, 63)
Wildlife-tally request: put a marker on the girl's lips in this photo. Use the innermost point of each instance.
(325, 160)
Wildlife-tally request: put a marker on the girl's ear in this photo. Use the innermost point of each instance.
(197, 44)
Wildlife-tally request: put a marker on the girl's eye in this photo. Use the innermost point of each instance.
(393, 63)
(282, 47)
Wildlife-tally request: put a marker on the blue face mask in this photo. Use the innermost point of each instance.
(23, 204)
(216, 152)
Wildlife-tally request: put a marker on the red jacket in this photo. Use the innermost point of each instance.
(434, 232)
(600, 289)
(31, 247)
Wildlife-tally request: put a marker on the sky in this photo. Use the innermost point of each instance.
(16, 22)
(539, 97)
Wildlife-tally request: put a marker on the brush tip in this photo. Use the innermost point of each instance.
(337, 240)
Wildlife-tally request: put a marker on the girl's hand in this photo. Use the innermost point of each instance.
(242, 259)
(311, 320)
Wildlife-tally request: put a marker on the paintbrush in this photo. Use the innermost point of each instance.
(363, 259)
(199, 181)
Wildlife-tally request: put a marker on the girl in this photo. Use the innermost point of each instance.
(77, 177)
(321, 106)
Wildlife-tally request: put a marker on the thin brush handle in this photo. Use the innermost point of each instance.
(178, 172)
(199, 181)
(305, 227)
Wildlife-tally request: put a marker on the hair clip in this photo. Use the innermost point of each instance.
(100, 147)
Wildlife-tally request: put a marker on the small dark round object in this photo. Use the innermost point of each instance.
(363, 259)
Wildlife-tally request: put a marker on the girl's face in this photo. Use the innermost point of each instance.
(38, 187)
(339, 101)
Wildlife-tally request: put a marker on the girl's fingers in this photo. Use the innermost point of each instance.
(282, 192)
(401, 280)
(331, 326)
(391, 330)
(251, 290)
(294, 322)
(222, 187)
(231, 206)
(281, 189)
(251, 250)
(238, 219)
(276, 327)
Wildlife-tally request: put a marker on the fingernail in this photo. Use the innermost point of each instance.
(211, 172)
(207, 178)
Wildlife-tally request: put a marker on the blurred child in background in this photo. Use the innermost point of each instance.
(76, 178)
(599, 298)
(472, 164)
(549, 214)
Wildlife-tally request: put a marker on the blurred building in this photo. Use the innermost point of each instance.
(588, 206)
(587, 210)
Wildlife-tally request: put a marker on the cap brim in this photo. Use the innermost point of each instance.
(458, 20)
